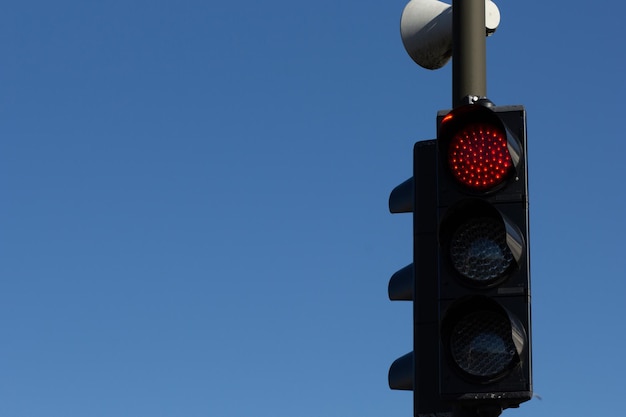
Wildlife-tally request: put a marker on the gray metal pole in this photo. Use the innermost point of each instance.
(469, 50)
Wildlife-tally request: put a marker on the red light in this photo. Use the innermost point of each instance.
(479, 157)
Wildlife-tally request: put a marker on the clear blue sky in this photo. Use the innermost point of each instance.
(194, 204)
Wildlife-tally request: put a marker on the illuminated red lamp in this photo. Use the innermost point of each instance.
(477, 148)
(478, 156)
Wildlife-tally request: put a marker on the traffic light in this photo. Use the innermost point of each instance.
(484, 358)
(418, 370)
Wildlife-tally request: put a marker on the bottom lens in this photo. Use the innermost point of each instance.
(481, 344)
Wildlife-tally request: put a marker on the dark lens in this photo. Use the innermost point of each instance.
(479, 251)
(481, 344)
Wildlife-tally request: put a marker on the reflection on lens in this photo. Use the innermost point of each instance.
(479, 251)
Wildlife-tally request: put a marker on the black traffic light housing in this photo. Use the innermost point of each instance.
(469, 280)
(483, 257)
(418, 370)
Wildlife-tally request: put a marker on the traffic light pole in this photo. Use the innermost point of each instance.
(469, 51)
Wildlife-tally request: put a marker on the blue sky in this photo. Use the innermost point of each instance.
(194, 215)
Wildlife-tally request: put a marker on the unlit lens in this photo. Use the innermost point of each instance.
(481, 344)
(479, 251)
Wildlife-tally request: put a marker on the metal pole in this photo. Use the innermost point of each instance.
(469, 51)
